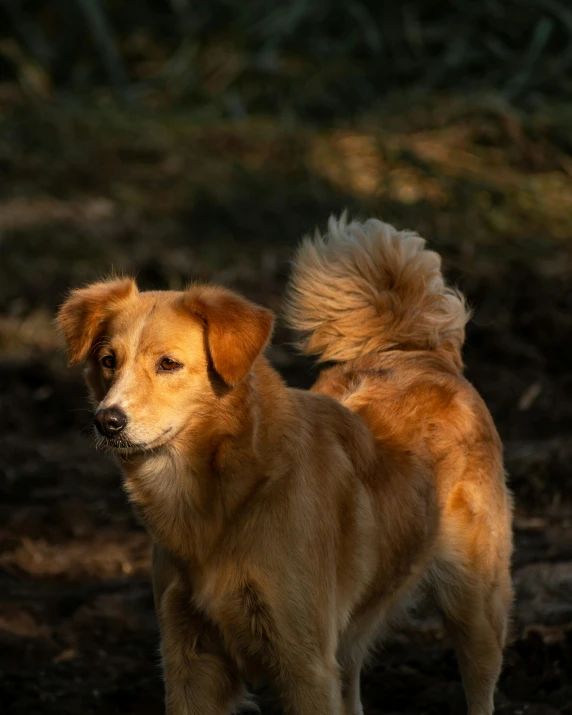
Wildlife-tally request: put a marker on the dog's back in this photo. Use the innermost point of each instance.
(373, 300)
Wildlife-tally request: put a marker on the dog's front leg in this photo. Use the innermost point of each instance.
(200, 678)
(205, 688)
(312, 689)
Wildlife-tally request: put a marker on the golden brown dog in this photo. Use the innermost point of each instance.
(290, 526)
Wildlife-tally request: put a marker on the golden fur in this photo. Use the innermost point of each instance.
(367, 288)
(289, 526)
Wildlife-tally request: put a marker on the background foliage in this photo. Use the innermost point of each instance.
(292, 58)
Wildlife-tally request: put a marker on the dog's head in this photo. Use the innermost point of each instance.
(158, 361)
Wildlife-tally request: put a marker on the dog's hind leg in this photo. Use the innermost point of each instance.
(477, 626)
(472, 587)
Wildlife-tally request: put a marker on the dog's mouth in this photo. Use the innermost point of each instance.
(123, 445)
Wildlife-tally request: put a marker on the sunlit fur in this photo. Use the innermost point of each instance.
(289, 526)
(373, 299)
(366, 287)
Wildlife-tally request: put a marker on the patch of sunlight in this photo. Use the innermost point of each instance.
(35, 331)
(28, 212)
(105, 555)
(365, 166)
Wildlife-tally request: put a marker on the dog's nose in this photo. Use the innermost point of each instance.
(110, 422)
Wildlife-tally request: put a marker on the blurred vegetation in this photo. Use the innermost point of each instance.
(290, 58)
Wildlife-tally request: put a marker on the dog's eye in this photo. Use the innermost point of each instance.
(168, 364)
(108, 361)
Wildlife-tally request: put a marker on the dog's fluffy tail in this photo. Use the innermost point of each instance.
(367, 288)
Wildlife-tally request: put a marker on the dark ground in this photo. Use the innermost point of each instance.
(172, 200)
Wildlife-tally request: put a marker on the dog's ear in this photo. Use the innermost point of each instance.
(81, 318)
(237, 330)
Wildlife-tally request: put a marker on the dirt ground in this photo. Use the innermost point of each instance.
(174, 199)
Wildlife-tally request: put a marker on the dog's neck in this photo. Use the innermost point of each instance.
(189, 490)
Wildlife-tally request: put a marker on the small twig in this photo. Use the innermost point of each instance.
(564, 16)
(537, 44)
(102, 34)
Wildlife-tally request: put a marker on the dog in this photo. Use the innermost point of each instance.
(290, 526)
